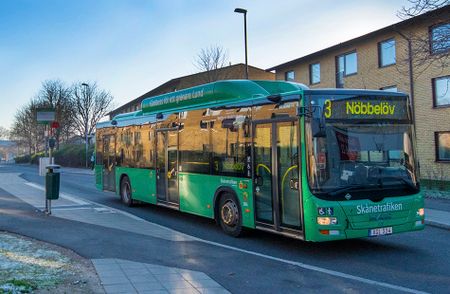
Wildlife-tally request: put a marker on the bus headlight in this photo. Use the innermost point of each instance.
(421, 212)
(325, 221)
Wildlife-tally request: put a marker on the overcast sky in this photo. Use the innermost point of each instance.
(130, 47)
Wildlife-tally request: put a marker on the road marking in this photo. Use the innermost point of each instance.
(317, 268)
(294, 263)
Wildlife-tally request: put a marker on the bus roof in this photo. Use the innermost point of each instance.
(210, 95)
(220, 93)
(355, 92)
(216, 93)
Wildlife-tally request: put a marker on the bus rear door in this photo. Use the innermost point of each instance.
(167, 166)
(109, 162)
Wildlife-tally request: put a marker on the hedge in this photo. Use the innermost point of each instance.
(72, 155)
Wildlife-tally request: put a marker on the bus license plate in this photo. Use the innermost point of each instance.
(380, 231)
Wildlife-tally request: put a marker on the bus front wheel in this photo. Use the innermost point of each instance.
(125, 192)
(230, 215)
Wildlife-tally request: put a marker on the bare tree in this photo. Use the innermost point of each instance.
(90, 105)
(425, 50)
(210, 60)
(4, 133)
(26, 131)
(55, 94)
(418, 7)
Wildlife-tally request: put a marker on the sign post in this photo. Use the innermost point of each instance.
(47, 116)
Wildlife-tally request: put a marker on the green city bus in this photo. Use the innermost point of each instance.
(313, 164)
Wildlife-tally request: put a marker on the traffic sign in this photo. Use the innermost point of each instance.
(45, 115)
(55, 125)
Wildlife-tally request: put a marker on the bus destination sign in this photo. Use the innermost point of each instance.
(366, 108)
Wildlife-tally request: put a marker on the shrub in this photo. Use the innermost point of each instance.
(73, 155)
(23, 159)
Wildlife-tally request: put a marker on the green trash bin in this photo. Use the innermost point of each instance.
(52, 179)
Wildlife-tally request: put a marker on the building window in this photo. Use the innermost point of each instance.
(386, 53)
(390, 88)
(314, 73)
(289, 76)
(442, 141)
(439, 40)
(441, 91)
(346, 64)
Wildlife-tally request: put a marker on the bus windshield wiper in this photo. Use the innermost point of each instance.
(409, 184)
(351, 187)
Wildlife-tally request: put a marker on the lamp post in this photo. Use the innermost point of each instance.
(244, 11)
(86, 86)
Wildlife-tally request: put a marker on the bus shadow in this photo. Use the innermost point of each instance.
(207, 229)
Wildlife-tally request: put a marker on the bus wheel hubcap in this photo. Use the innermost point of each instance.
(230, 213)
(126, 191)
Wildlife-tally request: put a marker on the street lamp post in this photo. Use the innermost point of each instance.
(244, 11)
(86, 86)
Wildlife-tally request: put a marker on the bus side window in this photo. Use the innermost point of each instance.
(121, 158)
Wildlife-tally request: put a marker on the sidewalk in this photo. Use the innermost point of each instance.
(437, 211)
(117, 275)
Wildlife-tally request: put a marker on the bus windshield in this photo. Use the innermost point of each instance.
(361, 155)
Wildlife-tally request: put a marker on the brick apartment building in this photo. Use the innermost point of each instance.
(236, 71)
(380, 60)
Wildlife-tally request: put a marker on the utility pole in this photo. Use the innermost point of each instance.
(244, 11)
(86, 92)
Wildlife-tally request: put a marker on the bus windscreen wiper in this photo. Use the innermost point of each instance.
(409, 184)
(351, 187)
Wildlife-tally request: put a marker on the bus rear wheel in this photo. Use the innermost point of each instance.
(125, 192)
(230, 215)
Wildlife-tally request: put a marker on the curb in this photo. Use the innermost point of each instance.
(437, 224)
(79, 172)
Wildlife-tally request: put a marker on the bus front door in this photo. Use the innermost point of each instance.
(167, 167)
(276, 175)
(109, 163)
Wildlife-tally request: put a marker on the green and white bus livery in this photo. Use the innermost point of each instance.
(313, 164)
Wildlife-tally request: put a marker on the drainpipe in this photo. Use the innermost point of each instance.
(411, 76)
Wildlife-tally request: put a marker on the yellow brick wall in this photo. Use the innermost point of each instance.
(370, 76)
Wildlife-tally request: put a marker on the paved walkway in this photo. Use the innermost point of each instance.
(72, 208)
(437, 218)
(119, 276)
(123, 276)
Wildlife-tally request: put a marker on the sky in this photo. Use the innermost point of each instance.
(132, 46)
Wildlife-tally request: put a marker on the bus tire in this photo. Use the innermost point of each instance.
(230, 217)
(125, 192)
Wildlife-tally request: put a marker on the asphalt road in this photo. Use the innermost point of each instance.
(417, 260)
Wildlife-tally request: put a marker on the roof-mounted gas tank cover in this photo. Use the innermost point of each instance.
(216, 93)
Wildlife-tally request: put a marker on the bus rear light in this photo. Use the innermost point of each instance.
(324, 232)
(325, 221)
(247, 210)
